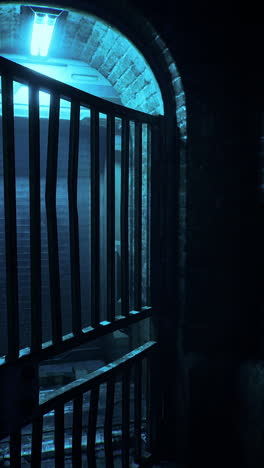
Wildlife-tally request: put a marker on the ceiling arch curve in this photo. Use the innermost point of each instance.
(86, 38)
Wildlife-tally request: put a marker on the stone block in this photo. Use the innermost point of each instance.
(121, 66)
(125, 81)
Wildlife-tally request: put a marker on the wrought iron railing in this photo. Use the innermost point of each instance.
(81, 443)
(139, 134)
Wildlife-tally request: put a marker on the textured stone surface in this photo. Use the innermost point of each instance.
(87, 38)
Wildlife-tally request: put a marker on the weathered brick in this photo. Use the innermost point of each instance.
(121, 65)
(177, 84)
(180, 99)
(125, 80)
(102, 52)
(94, 41)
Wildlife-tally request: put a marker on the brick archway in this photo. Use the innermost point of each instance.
(172, 224)
(86, 37)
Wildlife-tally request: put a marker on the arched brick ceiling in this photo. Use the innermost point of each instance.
(86, 38)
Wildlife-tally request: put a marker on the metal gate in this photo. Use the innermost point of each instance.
(109, 307)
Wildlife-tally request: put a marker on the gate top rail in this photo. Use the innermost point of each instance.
(29, 77)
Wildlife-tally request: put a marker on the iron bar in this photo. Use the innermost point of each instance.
(110, 218)
(156, 229)
(73, 218)
(59, 435)
(124, 218)
(51, 183)
(125, 417)
(149, 220)
(91, 431)
(10, 218)
(36, 449)
(138, 216)
(95, 220)
(35, 219)
(77, 432)
(108, 425)
(15, 449)
(138, 408)
(154, 405)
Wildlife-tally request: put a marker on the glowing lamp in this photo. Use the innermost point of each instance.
(43, 27)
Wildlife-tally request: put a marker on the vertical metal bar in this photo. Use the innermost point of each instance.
(124, 218)
(150, 404)
(10, 217)
(95, 244)
(108, 425)
(155, 228)
(59, 436)
(149, 157)
(155, 391)
(125, 417)
(36, 446)
(51, 182)
(138, 215)
(153, 399)
(35, 221)
(110, 217)
(73, 218)
(15, 449)
(138, 408)
(91, 432)
(77, 432)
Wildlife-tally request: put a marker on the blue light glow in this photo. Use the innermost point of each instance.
(43, 27)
